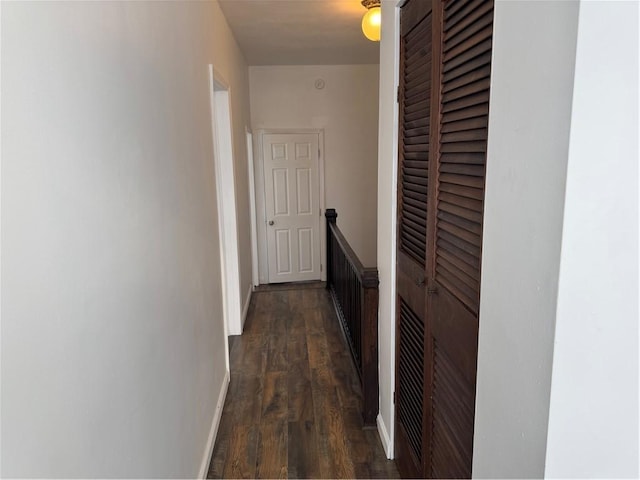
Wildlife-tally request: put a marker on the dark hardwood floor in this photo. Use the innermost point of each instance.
(292, 409)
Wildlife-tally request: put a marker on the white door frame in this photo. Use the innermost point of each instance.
(252, 205)
(260, 203)
(226, 196)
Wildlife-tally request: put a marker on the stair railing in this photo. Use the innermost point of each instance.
(354, 290)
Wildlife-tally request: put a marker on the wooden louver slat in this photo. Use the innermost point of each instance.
(454, 39)
(461, 23)
(470, 66)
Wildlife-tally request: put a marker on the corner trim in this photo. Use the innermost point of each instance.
(208, 452)
(384, 437)
(247, 302)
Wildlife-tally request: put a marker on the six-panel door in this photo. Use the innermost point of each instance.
(292, 206)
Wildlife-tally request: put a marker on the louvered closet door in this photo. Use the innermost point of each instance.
(455, 220)
(413, 176)
(442, 157)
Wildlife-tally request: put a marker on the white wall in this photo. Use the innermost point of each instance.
(113, 354)
(387, 183)
(347, 110)
(230, 63)
(593, 417)
(529, 120)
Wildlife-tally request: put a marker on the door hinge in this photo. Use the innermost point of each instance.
(320, 267)
(398, 95)
(394, 397)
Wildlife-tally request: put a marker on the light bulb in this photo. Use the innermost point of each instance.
(371, 24)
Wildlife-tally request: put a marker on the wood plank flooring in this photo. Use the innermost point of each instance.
(292, 409)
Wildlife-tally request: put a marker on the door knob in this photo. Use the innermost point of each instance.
(271, 222)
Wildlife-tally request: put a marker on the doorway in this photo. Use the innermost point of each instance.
(290, 202)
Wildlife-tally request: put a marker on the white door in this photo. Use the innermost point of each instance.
(292, 202)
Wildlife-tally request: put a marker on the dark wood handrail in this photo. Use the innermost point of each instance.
(354, 290)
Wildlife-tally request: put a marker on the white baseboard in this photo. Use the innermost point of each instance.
(208, 452)
(384, 437)
(245, 309)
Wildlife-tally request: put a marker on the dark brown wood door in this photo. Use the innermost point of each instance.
(413, 177)
(439, 303)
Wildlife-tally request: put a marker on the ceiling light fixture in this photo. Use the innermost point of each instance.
(371, 20)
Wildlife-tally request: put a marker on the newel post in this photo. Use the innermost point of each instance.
(331, 215)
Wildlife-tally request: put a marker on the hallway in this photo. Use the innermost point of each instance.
(292, 409)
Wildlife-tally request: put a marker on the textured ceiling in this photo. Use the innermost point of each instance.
(300, 32)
